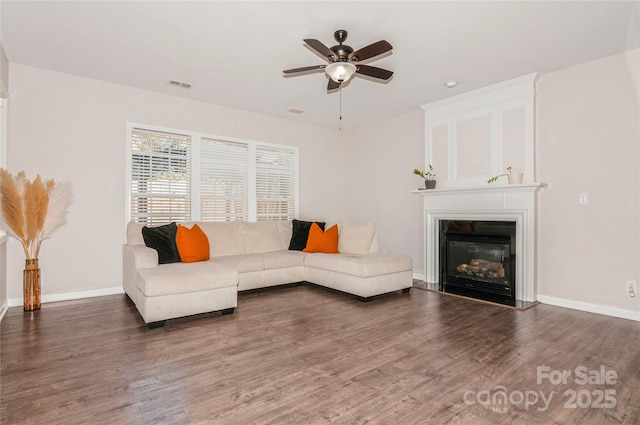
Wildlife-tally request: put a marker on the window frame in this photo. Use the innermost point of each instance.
(196, 137)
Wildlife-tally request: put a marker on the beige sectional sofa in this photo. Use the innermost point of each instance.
(248, 256)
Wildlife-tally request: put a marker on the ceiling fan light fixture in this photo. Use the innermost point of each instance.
(340, 71)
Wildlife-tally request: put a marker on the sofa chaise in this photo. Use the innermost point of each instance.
(251, 255)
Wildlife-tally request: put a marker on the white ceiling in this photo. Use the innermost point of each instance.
(233, 53)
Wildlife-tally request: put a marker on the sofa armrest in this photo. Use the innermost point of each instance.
(135, 257)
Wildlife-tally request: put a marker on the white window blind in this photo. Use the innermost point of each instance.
(275, 183)
(224, 185)
(160, 177)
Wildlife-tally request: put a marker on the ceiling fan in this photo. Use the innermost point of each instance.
(344, 61)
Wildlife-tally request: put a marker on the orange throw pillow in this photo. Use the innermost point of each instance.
(320, 241)
(193, 244)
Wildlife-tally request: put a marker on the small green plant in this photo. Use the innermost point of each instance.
(494, 178)
(427, 175)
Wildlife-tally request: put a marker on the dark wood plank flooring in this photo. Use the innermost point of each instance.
(307, 355)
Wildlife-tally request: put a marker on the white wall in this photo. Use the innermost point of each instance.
(70, 128)
(381, 158)
(588, 141)
(4, 73)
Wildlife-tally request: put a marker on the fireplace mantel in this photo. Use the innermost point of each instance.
(516, 203)
(496, 187)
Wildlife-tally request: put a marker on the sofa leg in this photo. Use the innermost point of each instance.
(154, 325)
(228, 311)
(406, 290)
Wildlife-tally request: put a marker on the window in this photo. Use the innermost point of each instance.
(160, 177)
(275, 183)
(184, 176)
(224, 182)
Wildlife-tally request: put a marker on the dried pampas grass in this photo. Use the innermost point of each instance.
(12, 215)
(31, 211)
(60, 197)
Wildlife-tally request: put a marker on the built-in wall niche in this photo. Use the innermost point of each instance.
(476, 135)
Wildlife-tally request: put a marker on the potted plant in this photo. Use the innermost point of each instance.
(514, 178)
(428, 176)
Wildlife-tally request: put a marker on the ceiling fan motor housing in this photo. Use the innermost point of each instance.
(342, 51)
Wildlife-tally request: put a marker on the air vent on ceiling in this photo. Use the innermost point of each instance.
(295, 111)
(179, 84)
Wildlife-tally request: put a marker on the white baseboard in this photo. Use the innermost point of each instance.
(418, 276)
(592, 308)
(3, 309)
(52, 298)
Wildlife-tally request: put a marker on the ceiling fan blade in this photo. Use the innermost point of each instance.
(304, 68)
(372, 71)
(371, 50)
(323, 50)
(332, 85)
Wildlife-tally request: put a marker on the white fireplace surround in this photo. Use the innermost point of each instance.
(513, 203)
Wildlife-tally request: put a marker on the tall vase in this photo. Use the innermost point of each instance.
(31, 285)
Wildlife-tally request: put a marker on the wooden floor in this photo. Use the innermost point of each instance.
(307, 355)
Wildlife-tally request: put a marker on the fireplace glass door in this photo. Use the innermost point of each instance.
(479, 265)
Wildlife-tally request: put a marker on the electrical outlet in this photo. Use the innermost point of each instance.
(583, 198)
(632, 287)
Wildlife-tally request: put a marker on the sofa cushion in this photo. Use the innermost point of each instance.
(134, 233)
(162, 239)
(356, 238)
(282, 259)
(360, 265)
(243, 263)
(193, 245)
(320, 241)
(300, 233)
(262, 236)
(285, 230)
(180, 278)
(225, 237)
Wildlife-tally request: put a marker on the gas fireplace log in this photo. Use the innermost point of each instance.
(485, 263)
(482, 268)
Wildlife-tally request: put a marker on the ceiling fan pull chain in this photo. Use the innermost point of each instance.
(340, 126)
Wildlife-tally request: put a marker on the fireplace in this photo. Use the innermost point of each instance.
(478, 259)
(469, 138)
(514, 203)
